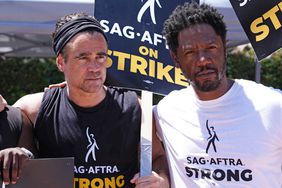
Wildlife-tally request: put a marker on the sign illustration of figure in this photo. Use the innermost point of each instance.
(149, 4)
(212, 137)
(243, 3)
(92, 146)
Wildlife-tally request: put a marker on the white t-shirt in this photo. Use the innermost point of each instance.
(231, 142)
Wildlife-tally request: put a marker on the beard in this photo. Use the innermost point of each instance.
(208, 85)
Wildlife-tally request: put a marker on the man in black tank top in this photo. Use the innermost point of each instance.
(97, 125)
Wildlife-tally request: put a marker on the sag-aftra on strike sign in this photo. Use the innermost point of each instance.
(138, 55)
(262, 22)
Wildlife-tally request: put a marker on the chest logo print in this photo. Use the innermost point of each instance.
(212, 137)
(92, 146)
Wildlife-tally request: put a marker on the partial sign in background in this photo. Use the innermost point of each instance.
(261, 21)
(139, 57)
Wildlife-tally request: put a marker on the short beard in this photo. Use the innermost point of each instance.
(208, 85)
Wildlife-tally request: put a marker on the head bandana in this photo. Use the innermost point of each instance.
(73, 27)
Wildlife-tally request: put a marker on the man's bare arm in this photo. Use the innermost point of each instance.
(26, 139)
(30, 105)
(160, 165)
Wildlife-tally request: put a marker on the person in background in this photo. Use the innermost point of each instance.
(15, 136)
(97, 125)
(217, 132)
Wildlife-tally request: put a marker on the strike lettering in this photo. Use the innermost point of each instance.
(261, 29)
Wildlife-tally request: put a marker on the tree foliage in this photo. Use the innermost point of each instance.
(21, 76)
(241, 64)
(272, 70)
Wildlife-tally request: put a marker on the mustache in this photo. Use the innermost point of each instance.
(205, 70)
(93, 75)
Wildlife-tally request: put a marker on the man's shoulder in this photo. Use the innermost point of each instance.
(51, 95)
(124, 97)
(260, 93)
(117, 91)
(54, 91)
(28, 101)
(177, 94)
(258, 88)
(30, 104)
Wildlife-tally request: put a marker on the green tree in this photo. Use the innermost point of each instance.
(271, 71)
(21, 76)
(241, 64)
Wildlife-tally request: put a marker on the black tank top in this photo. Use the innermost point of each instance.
(103, 139)
(10, 127)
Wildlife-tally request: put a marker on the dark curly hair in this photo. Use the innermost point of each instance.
(188, 15)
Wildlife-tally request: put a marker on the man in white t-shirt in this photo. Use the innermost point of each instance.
(218, 132)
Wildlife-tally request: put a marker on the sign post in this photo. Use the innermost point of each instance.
(146, 133)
